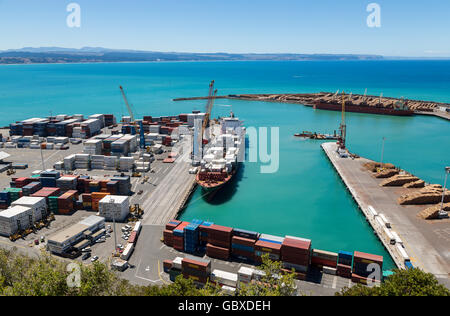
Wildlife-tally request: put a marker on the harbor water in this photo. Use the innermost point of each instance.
(305, 197)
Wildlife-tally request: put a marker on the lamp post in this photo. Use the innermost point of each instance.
(111, 205)
(382, 152)
(442, 213)
(42, 158)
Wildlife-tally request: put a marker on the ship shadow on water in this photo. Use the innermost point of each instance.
(225, 193)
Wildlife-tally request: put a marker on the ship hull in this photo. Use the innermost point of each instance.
(362, 109)
(209, 187)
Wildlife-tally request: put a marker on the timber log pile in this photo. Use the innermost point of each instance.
(354, 99)
(374, 166)
(399, 180)
(431, 194)
(432, 212)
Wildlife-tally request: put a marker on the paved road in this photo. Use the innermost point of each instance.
(165, 201)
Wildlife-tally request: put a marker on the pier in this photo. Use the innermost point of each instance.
(425, 242)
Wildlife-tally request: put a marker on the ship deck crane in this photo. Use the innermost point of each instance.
(209, 105)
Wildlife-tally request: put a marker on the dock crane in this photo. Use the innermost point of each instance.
(138, 124)
(343, 126)
(127, 104)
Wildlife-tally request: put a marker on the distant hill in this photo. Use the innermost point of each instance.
(31, 55)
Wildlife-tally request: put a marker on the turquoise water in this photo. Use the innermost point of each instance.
(305, 197)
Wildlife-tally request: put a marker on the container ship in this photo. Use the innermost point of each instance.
(224, 154)
(398, 109)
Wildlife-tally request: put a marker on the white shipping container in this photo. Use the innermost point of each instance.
(115, 207)
(176, 263)
(38, 206)
(126, 254)
(11, 218)
(329, 270)
(224, 278)
(137, 227)
(245, 274)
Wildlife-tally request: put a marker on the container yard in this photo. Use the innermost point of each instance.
(100, 172)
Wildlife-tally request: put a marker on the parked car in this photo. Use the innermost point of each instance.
(86, 255)
(94, 258)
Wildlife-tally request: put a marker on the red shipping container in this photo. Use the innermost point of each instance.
(323, 262)
(243, 241)
(296, 245)
(178, 243)
(298, 260)
(173, 224)
(203, 265)
(21, 182)
(217, 252)
(265, 246)
(344, 271)
(367, 258)
(168, 238)
(86, 197)
(133, 237)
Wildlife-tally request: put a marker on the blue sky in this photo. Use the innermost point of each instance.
(408, 28)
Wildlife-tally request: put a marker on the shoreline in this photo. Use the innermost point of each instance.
(225, 60)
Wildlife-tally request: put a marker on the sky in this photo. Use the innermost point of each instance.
(411, 28)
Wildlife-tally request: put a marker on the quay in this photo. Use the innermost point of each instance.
(425, 242)
(168, 198)
(440, 114)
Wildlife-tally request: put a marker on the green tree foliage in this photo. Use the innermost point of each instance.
(413, 282)
(47, 276)
(273, 283)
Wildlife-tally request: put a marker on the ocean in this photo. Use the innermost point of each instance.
(305, 197)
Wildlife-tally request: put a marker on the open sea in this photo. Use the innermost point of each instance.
(305, 198)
